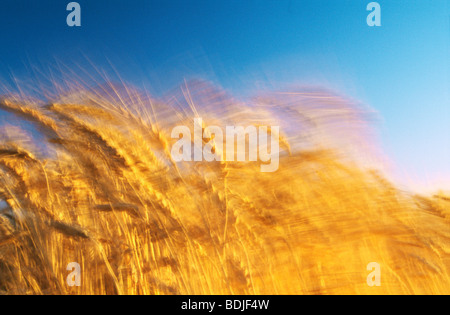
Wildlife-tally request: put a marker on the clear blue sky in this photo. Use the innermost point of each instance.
(401, 69)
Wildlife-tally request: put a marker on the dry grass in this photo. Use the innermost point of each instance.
(102, 190)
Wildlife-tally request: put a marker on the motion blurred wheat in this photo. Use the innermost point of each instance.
(99, 187)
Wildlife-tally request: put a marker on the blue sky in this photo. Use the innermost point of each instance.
(401, 69)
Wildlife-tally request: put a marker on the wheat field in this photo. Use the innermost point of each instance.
(87, 176)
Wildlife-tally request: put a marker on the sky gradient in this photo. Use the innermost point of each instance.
(400, 69)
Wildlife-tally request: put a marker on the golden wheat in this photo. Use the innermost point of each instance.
(102, 190)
